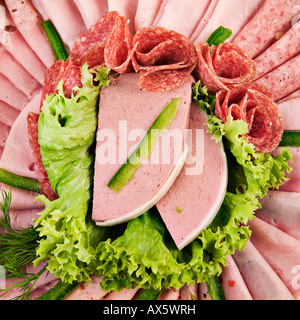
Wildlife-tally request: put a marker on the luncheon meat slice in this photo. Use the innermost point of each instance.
(13, 71)
(252, 104)
(8, 114)
(164, 58)
(145, 13)
(169, 294)
(91, 10)
(281, 209)
(233, 284)
(189, 292)
(23, 218)
(280, 52)
(108, 42)
(223, 66)
(125, 294)
(283, 80)
(125, 115)
(65, 17)
(281, 251)
(261, 280)
(288, 110)
(198, 192)
(183, 16)
(273, 19)
(4, 133)
(293, 95)
(28, 21)
(242, 11)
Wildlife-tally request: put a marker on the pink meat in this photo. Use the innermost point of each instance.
(283, 80)
(281, 210)
(281, 251)
(45, 278)
(28, 21)
(189, 292)
(203, 292)
(13, 71)
(187, 211)
(4, 133)
(91, 10)
(242, 11)
(160, 12)
(65, 17)
(261, 280)
(8, 114)
(233, 284)
(273, 19)
(183, 16)
(23, 218)
(11, 95)
(169, 294)
(288, 110)
(125, 294)
(139, 109)
(287, 47)
(88, 291)
(126, 8)
(145, 13)
(293, 183)
(293, 95)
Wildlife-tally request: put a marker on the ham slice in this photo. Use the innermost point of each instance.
(125, 294)
(14, 72)
(287, 47)
(198, 192)
(4, 133)
(261, 280)
(169, 294)
(189, 292)
(281, 210)
(242, 11)
(233, 284)
(288, 110)
(8, 114)
(91, 10)
(273, 19)
(23, 218)
(139, 109)
(281, 251)
(183, 16)
(28, 21)
(203, 292)
(293, 184)
(283, 80)
(126, 8)
(145, 13)
(65, 17)
(293, 95)
(11, 95)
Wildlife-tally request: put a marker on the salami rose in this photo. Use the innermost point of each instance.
(164, 58)
(251, 104)
(223, 66)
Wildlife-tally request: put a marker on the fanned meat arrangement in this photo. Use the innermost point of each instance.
(156, 52)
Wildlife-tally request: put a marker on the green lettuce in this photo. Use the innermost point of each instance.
(67, 128)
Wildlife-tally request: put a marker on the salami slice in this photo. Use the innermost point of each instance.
(164, 58)
(223, 66)
(250, 104)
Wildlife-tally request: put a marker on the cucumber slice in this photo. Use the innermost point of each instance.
(59, 291)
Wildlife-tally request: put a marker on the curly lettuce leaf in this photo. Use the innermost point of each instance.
(67, 128)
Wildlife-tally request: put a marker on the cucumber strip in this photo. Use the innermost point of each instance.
(149, 294)
(215, 288)
(59, 291)
(290, 139)
(19, 182)
(55, 40)
(219, 36)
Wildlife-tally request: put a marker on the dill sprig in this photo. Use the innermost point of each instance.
(17, 250)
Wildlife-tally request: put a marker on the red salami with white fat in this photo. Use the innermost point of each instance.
(164, 58)
(251, 104)
(223, 66)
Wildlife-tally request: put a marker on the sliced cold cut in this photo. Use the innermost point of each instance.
(293, 95)
(280, 52)
(146, 13)
(125, 294)
(281, 251)
(273, 19)
(198, 192)
(288, 110)
(8, 114)
(283, 80)
(126, 113)
(4, 133)
(261, 280)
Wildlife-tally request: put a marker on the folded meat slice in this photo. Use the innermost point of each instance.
(261, 280)
(4, 133)
(8, 114)
(125, 115)
(281, 251)
(198, 192)
(293, 95)
(233, 284)
(281, 210)
(145, 13)
(288, 110)
(125, 294)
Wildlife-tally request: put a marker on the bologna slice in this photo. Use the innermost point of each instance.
(272, 20)
(288, 110)
(4, 133)
(281, 251)
(125, 115)
(261, 280)
(198, 192)
(145, 13)
(8, 114)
